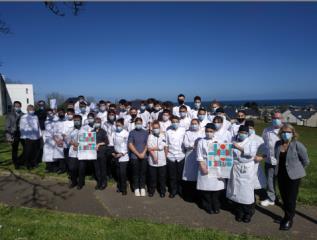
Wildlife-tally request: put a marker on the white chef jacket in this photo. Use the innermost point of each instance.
(223, 135)
(30, 127)
(240, 186)
(270, 137)
(184, 123)
(155, 115)
(176, 110)
(207, 182)
(102, 116)
(59, 127)
(157, 142)
(49, 143)
(73, 136)
(146, 118)
(164, 126)
(190, 143)
(174, 142)
(120, 142)
(235, 128)
(110, 130)
(84, 117)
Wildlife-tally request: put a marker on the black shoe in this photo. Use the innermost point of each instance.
(102, 187)
(286, 225)
(246, 219)
(162, 195)
(171, 195)
(124, 193)
(238, 218)
(151, 194)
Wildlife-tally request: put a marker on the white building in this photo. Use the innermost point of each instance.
(10, 92)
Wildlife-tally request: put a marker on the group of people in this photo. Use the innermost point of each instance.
(156, 146)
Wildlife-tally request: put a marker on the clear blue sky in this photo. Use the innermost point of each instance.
(228, 51)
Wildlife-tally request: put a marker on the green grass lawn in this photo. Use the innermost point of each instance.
(308, 136)
(25, 223)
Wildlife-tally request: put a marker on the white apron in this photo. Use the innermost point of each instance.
(49, 143)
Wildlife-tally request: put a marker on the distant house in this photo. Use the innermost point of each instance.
(10, 92)
(230, 112)
(252, 114)
(312, 120)
(289, 117)
(301, 118)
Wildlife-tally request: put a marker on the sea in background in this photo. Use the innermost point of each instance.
(263, 103)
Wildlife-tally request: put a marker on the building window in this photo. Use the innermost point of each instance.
(27, 91)
(27, 101)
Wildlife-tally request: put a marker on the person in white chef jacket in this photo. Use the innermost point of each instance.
(49, 143)
(197, 105)
(259, 176)
(120, 142)
(31, 134)
(84, 111)
(210, 186)
(203, 119)
(68, 127)
(222, 134)
(58, 134)
(241, 115)
(226, 124)
(166, 122)
(79, 105)
(240, 187)
(175, 156)
(184, 119)
(129, 120)
(191, 138)
(181, 102)
(156, 111)
(102, 113)
(73, 163)
(157, 160)
(145, 115)
(85, 157)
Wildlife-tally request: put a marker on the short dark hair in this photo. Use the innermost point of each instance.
(174, 117)
(166, 111)
(122, 101)
(91, 114)
(242, 111)
(17, 102)
(181, 95)
(70, 110)
(78, 116)
(155, 122)
(102, 102)
(138, 119)
(220, 119)
(120, 120)
(183, 107)
(202, 109)
(197, 98)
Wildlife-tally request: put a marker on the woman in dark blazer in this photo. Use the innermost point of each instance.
(292, 159)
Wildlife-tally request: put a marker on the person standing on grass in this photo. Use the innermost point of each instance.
(12, 132)
(157, 160)
(31, 133)
(41, 113)
(58, 154)
(270, 137)
(240, 187)
(101, 164)
(120, 143)
(175, 154)
(137, 143)
(292, 158)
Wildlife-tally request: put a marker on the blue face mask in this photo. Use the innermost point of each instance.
(175, 125)
(276, 122)
(77, 124)
(138, 126)
(201, 117)
(286, 136)
(197, 105)
(119, 129)
(156, 131)
(17, 110)
(242, 136)
(251, 131)
(194, 127)
(182, 114)
(111, 118)
(218, 125)
(82, 110)
(142, 108)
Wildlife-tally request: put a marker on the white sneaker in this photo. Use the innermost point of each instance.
(143, 194)
(137, 192)
(267, 202)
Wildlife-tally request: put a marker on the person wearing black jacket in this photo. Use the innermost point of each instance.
(12, 132)
(41, 113)
(101, 164)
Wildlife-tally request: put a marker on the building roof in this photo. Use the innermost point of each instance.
(301, 115)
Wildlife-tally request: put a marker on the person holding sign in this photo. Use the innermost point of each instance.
(240, 188)
(101, 163)
(157, 160)
(120, 142)
(209, 184)
(87, 150)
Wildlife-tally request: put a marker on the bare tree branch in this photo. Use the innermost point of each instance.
(55, 8)
(4, 29)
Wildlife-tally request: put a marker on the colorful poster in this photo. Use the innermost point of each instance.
(220, 160)
(87, 146)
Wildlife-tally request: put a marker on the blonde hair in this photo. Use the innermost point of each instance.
(288, 126)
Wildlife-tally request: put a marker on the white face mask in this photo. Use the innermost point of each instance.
(165, 118)
(209, 135)
(156, 131)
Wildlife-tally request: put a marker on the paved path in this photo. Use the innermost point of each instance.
(53, 194)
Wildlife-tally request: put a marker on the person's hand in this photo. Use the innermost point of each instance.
(75, 148)
(141, 155)
(203, 169)
(155, 160)
(258, 158)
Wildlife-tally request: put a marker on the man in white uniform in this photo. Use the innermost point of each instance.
(181, 102)
(197, 105)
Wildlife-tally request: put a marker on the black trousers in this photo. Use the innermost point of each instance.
(244, 210)
(122, 175)
(100, 166)
(157, 179)
(30, 152)
(190, 192)
(17, 161)
(111, 163)
(175, 173)
(73, 164)
(289, 191)
(52, 166)
(210, 200)
(40, 151)
(138, 173)
(82, 164)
